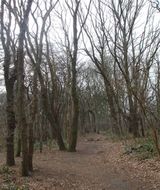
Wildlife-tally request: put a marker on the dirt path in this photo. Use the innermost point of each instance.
(90, 168)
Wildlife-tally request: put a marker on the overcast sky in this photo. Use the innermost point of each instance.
(56, 33)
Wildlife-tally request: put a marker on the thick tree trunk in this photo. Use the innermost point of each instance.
(75, 101)
(74, 130)
(74, 125)
(112, 104)
(21, 89)
(57, 133)
(56, 130)
(133, 117)
(134, 125)
(60, 142)
(10, 78)
(10, 161)
(30, 148)
(21, 116)
(18, 152)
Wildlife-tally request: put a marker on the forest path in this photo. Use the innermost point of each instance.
(90, 168)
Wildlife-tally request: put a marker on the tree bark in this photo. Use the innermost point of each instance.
(30, 148)
(18, 152)
(75, 100)
(10, 161)
(32, 122)
(56, 130)
(21, 90)
(10, 78)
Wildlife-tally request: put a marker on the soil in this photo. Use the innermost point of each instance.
(98, 164)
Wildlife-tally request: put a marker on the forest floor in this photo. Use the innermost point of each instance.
(98, 164)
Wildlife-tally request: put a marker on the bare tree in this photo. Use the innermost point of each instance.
(97, 51)
(8, 43)
(72, 42)
(132, 54)
(37, 53)
(21, 88)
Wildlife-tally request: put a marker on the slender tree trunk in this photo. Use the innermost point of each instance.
(41, 133)
(41, 146)
(142, 126)
(31, 126)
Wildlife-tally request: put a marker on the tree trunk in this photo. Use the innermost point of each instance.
(21, 111)
(18, 153)
(133, 115)
(60, 142)
(134, 127)
(10, 78)
(33, 111)
(75, 101)
(30, 148)
(142, 126)
(10, 161)
(74, 125)
(21, 89)
(56, 130)
(112, 104)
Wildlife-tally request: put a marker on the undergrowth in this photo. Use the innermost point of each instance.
(8, 183)
(142, 148)
(116, 138)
